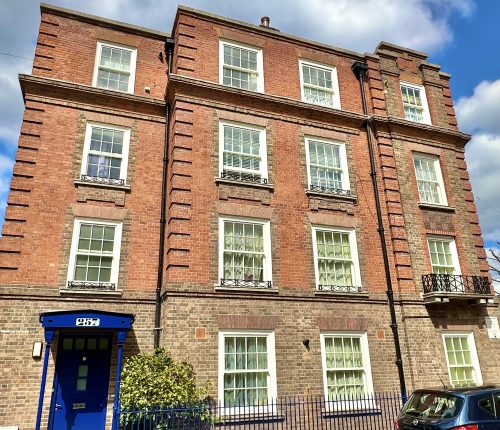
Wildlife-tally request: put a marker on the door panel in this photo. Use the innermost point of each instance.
(81, 382)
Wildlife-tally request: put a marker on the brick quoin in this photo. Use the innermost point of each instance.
(46, 195)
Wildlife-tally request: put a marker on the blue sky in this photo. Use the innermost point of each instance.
(460, 35)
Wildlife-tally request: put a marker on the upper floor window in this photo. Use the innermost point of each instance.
(105, 154)
(247, 370)
(115, 67)
(319, 85)
(415, 103)
(242, 154)
(244, 252)
(429, 180)
(346, 367)
(462, 361)
(444, 258)
(95, 254)
(327, 165)
(241, 66)
(336, 259)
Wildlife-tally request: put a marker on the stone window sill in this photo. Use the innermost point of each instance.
(90, 292)
(436, 207)
(79, 182)
(269, 187)
(333, 196)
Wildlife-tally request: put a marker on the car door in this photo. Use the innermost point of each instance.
(486, 411)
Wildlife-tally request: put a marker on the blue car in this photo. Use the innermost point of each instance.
(471, 408)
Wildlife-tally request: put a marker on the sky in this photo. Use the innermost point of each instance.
(460, 35)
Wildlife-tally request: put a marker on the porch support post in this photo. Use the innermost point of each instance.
(49, 336)
(121, 335)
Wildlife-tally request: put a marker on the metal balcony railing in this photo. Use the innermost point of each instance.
(244, 283)
(434, 283)
(340, 288)
(337, 191)
(101, 180)
(243, 177)
(88, 285)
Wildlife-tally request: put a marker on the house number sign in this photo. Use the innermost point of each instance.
(88, 322)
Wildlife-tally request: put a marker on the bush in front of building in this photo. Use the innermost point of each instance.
(158, 390)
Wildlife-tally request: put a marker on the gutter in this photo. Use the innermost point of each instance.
(360, 69)
(169, 48)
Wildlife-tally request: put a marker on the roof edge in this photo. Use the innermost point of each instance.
(104, 22)
(387, 46)
(266, 30)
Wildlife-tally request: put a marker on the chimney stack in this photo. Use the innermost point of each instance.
(264, 21)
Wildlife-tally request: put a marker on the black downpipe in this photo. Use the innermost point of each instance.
(169, 45)
(360, 70)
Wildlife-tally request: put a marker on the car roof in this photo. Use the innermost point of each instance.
(461, 390)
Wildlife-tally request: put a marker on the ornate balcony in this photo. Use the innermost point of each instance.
(443, 288)
(101, 180)
(243, 283)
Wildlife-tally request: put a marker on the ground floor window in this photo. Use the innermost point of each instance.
(346, 366)
(247, 371)
(462, 361)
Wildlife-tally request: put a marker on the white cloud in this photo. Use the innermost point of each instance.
(481, 111)
(479, 114)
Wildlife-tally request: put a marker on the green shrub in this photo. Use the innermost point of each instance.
(156, 379)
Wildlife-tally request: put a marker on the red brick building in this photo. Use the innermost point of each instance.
(273, 277)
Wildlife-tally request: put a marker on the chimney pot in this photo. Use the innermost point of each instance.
(264, 21)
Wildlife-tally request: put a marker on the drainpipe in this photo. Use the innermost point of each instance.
(360, 69)
(169, 48)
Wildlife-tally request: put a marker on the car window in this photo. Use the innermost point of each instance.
(433, 405)
(496, 397)
(487, 404)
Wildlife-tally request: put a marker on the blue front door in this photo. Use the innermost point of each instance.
(81, 382)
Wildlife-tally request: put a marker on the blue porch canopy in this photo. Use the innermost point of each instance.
(83, 319)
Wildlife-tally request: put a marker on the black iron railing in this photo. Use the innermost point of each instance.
(100, 180)
(434, 283)
(337, 191)
(368, 412)
(244, 283)
(340, 288)
(87, 285)
(243, 177)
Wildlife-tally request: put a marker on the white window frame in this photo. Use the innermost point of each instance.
(425, 106)
(453, 249)
(335, 83)
(346, 183)
(266, 232)
(271, 362)
(115, 267)
(133, 62)
(473, 353)
(260, 63)
(356, 275)
(443, 201)
(339, 405)
(125, 147)
(262, 147)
